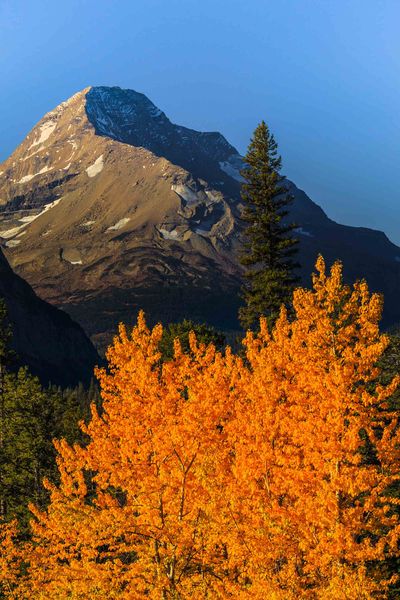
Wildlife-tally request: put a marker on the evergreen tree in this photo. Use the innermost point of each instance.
(27, 454)
(5, 356)
(268, 245)
(72, 406)
(5, 335)
(30, 418)
(390, 366)
(205, 334)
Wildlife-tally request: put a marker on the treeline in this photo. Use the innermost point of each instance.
(31, 417)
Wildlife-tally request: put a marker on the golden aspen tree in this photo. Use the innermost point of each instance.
(211, 476)
(10, 559)
(137, 511)
(313, 513)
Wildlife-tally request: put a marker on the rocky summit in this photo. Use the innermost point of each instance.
(108, 207)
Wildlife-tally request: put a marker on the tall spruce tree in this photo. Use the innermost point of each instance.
(5, 337)
(268, 246)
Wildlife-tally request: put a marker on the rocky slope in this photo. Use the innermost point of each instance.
(45, 338)
(107, 207)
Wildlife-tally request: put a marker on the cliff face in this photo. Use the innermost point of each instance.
(44, 337)
(107, 207)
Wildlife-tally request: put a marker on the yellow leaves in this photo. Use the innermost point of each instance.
(349, 584)
(309, 400)
(10, 559)
(210, 476)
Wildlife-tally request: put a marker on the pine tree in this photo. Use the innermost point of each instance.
(206, 334)
(268, 244)
(30, 417)
(27, 453)
(5, 338)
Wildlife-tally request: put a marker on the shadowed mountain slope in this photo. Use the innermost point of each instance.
(45, 338)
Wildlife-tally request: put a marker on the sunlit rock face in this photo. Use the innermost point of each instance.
(108, 207)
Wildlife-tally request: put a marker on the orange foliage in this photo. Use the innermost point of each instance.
(213, 476)
(10, 559)
(311, 508)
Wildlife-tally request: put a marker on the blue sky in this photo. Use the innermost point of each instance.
(324, 74)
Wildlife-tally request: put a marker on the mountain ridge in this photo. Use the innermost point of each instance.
(108, 207)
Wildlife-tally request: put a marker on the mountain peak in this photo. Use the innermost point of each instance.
(108, 206)
(117, 113)
(130, 117)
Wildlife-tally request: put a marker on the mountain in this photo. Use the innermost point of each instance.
(107, 207)
(45, 338)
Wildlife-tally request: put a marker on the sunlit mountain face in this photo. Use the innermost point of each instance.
(108, 207)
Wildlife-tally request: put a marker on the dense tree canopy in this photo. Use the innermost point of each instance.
(30, 418)
(216, 476)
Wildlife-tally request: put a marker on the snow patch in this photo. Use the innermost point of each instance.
(96, 167)
(120, 224)
(45, 132)
(75, 262)
(231, 169)
(46, 207)
(49, 206)
(27, 178)
(185, 193)
(26, 220)
(13, 243)
(304, 232)
(213, 196)
(9, 233)
(32, 153)
(88, 223)
(169, 235)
